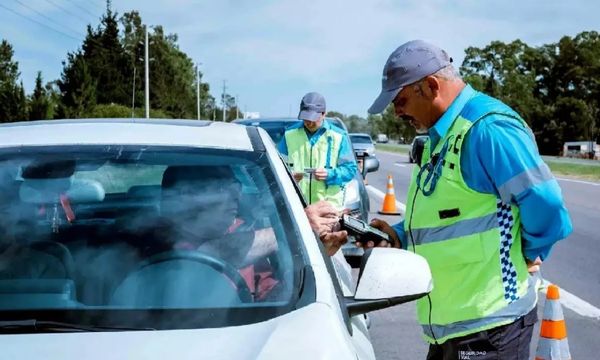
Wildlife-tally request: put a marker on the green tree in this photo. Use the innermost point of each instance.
(13, 106)
(39, 105)
(54, 98)
(77, 88)
(107, 61)
(555, 87)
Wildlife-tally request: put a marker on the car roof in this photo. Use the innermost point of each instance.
(335, 121)
(359, 134)
(262, 120)
(163, 132)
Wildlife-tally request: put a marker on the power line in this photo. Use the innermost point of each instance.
(82, 8)
(67, 11)
(99, 45)
(39, 23)
(47, 18)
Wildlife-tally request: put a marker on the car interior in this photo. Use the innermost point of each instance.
(68, 243)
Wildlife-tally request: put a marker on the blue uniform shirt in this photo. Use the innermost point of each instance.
(342, 172)
(500, 157)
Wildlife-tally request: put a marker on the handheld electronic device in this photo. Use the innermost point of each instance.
(362, 231)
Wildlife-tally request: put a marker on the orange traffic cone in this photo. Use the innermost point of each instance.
(553, 344)
(389, 201)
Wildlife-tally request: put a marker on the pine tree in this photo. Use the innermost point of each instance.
(13, 106)
(107, 61)
(39, 104)
(77, 87)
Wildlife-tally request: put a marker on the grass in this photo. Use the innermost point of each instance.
(559, 168)
(401, 149)
(575, 170)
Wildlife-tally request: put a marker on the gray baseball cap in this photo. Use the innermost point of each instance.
(311, 106)
(409, 63)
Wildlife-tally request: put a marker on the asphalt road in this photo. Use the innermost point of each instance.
(573, 266)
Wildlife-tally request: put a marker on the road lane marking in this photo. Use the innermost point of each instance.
(380, 194)
(576, 304)
(398, 164)
(578, 181)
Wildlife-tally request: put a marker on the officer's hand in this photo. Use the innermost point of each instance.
(298, 176)
(533, 266)
(386, 228)
(321, 174)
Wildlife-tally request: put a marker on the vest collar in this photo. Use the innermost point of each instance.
(314, 137)
(441, 127)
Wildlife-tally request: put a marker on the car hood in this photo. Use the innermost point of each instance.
(362, 146)
(312, 332)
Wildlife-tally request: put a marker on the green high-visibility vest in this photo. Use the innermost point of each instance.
(323, 154)
(471, 240)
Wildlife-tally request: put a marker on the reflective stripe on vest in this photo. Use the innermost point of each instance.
(471, 240)
(503, 316)
(323, 154)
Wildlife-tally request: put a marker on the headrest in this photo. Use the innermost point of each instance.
(175, 174)
(44, 191)
(49, 169)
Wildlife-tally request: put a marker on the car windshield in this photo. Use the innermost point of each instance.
(275, 129)
(152, 237)
(361, 139)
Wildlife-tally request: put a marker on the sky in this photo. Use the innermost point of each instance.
(270, 53)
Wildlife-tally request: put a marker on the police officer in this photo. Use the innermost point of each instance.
(483, 208)
(319, 153)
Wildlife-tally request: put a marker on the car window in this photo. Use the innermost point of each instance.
(361, 139)
(100, 230)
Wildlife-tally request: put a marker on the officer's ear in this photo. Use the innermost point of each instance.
(430, 87)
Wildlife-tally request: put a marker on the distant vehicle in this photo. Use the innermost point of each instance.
(415, 150)
(382, 138)
(251, 115)
(362, 144)
(356, 197)
(102, 258)
(581, 149)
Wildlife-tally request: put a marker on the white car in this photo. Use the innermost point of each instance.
(168, 239)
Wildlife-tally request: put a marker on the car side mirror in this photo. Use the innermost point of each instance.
(389, 277)
(370, 164)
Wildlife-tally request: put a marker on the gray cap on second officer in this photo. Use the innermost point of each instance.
(409, 63)
(311, 106)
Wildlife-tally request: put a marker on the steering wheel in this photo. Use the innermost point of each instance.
(201, 257)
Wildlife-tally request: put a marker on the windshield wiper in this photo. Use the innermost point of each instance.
(57, 326)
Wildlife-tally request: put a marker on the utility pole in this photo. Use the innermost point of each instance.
(223, 100)
(133, 94)
(146, 61)
(198, 89)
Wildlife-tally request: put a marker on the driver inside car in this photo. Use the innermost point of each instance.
(201, 204)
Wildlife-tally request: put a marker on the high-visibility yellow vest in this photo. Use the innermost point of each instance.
(471, 240)
(323, 154)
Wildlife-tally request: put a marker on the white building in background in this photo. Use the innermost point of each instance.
(251, 115)
(581, 149)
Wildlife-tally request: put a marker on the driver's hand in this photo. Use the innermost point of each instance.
(333, 241)
(324, 220)
(386, 228)
(298, 176)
